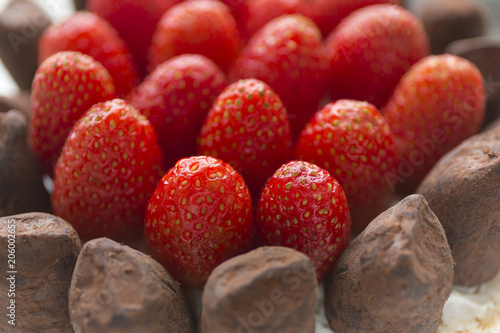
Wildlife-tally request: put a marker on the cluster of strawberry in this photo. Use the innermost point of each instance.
(239, 87)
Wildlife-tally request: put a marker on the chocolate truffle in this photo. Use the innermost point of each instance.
(271, 289)
(448, 20)
(463, 189)
(484, 52)
(44, 255)
(21, 26)
(21, 186)
(118, 289)
(395, 276)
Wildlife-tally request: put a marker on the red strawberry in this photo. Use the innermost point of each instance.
(66, 85)
(90, 34)
(371, 50)
(107, 171)
(439, 103)
(135, 22)
(202, 27)
(303, 207)
(199, 216)
(248, 128)
(176, 98)
(352, 141)
(288, 55)
(327, 14)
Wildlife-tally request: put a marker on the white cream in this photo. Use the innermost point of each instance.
(468, 310)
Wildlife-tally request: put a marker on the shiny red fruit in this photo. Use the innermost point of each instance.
(303, 207)
(199, 216)
(203, 27)
(440, 102)
(176, 98)
(248, 128)
(66, 85)
(352, 141)
(107, 171)
(92, 35)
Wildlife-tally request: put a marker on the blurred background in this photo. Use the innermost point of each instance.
(60, 9)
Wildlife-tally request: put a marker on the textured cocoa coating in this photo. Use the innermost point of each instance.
(270, 289)
(21, 25)
(395, 276)
(448, 20)
(484, 52)
(21, 186)
(463, 189)
(118, 289)
(46, 249)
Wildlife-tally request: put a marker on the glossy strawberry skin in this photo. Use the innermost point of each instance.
(327, 14)
(199, 216)
(66, 85)
(107, 171)
(371, 50)
(90, 34)
(289, 56)
(199, 27)
(248, 128)
(352, 141)
(439, 103)
(303, 207)
(135, 22)
(176, 98)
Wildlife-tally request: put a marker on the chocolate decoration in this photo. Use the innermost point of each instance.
(484, 52)
(395, 276)
(448, 20)
(463, 189)
(45, 253)
(21, 26)
(270, 289)
(21, 186)
(118, 289)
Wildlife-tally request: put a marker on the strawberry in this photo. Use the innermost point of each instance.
(66, 85)
(303, 207)
(371, 50)
(439, 103)
(135, 22)
(199, 216)
(91, 35)
(288, 55)
(203, 27)
(248, 128)
(107, 171)
(176, 98)
(351, 140)
(327, 14)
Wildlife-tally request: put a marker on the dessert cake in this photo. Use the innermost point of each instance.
(424, 243)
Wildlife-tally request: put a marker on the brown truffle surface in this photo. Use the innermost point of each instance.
(21, 186)
(484, 52)
(21, 26)
(448, 20)
(118, 289)
(46, 249)
(463, 189)
(270, 289)
(395, 276)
